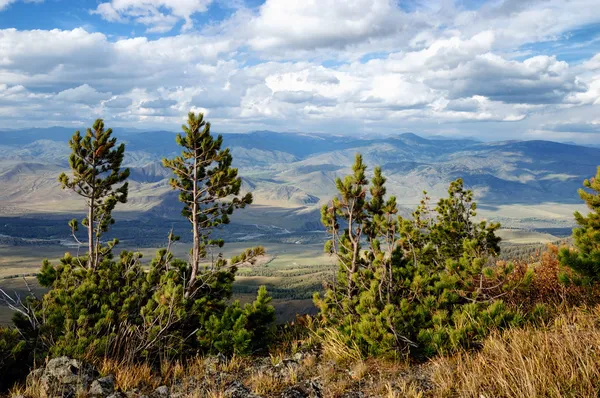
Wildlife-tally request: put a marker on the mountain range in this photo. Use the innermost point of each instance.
(524, 184)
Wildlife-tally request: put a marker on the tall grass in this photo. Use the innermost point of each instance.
(561, 360)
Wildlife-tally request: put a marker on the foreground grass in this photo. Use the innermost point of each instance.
(561, 359)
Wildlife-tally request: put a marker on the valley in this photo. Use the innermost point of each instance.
(530, 187)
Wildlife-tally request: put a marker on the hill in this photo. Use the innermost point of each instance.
(530, 184)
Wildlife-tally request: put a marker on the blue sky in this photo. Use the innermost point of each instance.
(497, 69)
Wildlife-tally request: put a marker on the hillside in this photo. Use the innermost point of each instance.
(528, 184)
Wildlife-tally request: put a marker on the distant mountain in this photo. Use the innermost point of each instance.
(297, 171)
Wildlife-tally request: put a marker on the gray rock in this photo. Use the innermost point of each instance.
(34, 376)
(117, 395)
(65, 377)
(102, 387)
(161, 392)
(306, 389)
(353, 394)
(238, 390)
(295, 392)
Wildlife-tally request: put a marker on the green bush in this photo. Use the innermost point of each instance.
(421, 285)
(120, 310)
(105, 307)
(14, 357)
(585, 259)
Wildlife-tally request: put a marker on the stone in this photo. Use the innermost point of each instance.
(34, 376)
(306, 389)
(353, 394)
(65, 377)
(117, 395)
(102, 387)
(237, 390)
(161, 392)
(294, 392)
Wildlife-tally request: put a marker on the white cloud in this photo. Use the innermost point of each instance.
(149, 12)
(311, 24)
(436, 67)
(5, 3)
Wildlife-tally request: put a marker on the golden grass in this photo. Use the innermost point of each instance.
(335, 348)
(559, 360)
(264, 383)
(129, 376)
(562, 360)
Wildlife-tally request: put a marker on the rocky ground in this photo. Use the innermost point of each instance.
(301, 376)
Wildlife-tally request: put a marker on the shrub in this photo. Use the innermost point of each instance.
(420, 285)
(107, 307)
(550, 284)
(14, 357)
(585, 259)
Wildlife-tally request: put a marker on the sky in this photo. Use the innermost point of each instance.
(492, 70)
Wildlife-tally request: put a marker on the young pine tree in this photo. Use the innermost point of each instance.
(585, 260)
(208, 187)
(420, 285)
(95, 162)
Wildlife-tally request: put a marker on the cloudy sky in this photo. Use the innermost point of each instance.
(493, 69)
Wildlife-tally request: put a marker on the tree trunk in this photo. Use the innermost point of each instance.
(196, 244)
(91, 256)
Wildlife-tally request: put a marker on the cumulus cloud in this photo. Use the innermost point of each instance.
(5, 3)
(311, 24)
(149, 12)
(361, 65)
(158, 104)
(83, 94)
(118, 102)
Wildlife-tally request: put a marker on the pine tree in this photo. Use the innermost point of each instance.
(206, 182)
(95, 162)
(586, 258)
(419, 285)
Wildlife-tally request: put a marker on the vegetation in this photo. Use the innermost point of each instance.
(423, 285)
(206, 182)
(101, 306)
(13, 357)
(96, 167)
(585, 259)
(419, 306)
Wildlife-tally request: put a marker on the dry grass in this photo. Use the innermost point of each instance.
(558, 360)
(264, 383)
(335, 348)
(562, 360)
(129, 376)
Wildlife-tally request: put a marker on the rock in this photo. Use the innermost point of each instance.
(353, 394)
(102, 387)
(238, 390)
(34, 376)
(161, 392)
(295, 392)
(117, 395)
(65, 377)
(307, 389)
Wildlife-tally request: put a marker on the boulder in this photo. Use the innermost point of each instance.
(102, 387)
(237, 390)
(306, 389)
(295, 392)
(161, 392)
(65, 377)
(117, 395)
